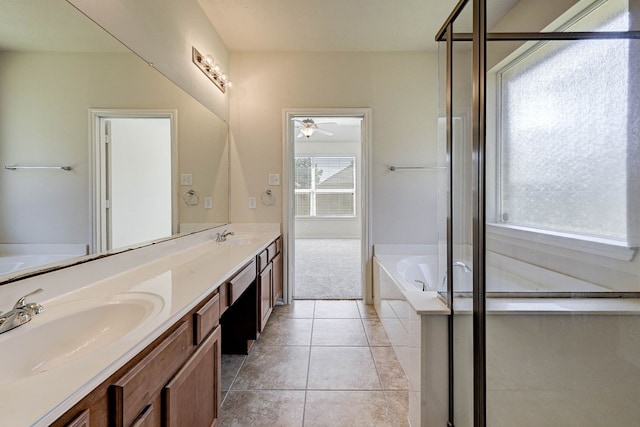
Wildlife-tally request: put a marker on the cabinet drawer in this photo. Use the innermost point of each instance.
(272, 250)
(279, 245)
(81, 420)
(241, 282)
(263, 260)
(206, 319)
(137, 388)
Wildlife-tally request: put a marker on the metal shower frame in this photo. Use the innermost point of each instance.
(479, 37)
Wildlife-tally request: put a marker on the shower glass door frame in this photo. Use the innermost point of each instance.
(479, 38)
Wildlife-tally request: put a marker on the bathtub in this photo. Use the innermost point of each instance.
(416, 323)
(15, 257)
(540, 347)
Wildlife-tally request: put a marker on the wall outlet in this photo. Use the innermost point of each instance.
(274, 179)
(208, 202)
(186, 179)
(252, 202)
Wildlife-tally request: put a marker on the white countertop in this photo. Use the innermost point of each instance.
(175, 283)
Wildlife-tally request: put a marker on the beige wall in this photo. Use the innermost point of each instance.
(400, 88)
(163, 32)
(44, 120)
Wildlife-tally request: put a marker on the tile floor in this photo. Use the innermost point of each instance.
(317, 363)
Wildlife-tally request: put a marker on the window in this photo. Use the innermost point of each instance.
(325, 187)
(563, 142)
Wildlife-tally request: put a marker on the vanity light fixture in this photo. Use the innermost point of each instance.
(207, 65)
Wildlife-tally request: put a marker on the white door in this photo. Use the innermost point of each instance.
(135, 165)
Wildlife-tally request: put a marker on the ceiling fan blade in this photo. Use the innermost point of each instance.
(327, 123)
(324, 131)
(299, 135)
(300, 122)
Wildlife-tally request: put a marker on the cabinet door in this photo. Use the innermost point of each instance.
(192, 397)
(82, 420)
(266, 295)
(277, 277)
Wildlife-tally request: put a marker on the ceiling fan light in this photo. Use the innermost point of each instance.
(307, 131)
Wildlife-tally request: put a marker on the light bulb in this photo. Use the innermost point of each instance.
(229, 84)
(224, 77)
(216, 69)
(208, 60)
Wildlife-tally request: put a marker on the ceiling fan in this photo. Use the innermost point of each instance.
(308, 127)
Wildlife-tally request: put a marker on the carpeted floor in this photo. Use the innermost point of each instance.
(328, 269)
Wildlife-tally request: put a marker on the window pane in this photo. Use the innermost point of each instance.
(303, 173)
(334, 204)
(564, 138)
(335, 172)
(303, 204)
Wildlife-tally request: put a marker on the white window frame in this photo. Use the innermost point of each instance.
(313, 191)
(608, 248)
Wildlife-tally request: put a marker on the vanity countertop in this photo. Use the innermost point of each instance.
(62, 365)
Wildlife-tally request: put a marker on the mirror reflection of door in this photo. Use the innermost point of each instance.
(137, 188)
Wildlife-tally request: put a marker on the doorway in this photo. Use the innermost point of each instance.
(134, 156)
(326, 221)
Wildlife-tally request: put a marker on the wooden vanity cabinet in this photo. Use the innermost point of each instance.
(265, 299)
(269, 280)
(189, 399)
(176, 380)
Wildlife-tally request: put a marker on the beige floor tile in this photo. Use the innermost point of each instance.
(342, 368)
(338, 332)
(367, 311)
(376, 334)
(398, 402)
(284, 408)
(341, 309)
(231, 364)
(301, 309)
(346, 409)
(392, 376)
(282, 330)
(274, 368)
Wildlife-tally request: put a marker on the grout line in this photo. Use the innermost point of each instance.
(306, 388)
(234, 380)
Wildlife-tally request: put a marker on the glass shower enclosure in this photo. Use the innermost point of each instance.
(540, 111)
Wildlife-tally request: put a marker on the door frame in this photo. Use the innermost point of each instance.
(288, 211)
(98, 172)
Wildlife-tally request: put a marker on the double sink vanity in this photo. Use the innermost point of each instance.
(135, 339)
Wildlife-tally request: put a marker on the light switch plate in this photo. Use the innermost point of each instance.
(252, 202)
(208, 202)
(186, 179)
(274, 179)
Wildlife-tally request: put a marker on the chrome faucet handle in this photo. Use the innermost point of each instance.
(32, 306)
(422, 282)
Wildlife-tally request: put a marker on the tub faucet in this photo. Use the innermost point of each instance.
(20, 314)
(460, 264)
(222, 237)
(463, 266)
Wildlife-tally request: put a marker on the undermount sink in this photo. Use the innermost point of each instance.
(72, 331)
(240, 240)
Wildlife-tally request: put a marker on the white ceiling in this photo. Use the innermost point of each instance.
(328, 25)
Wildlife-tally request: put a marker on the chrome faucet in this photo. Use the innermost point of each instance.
(20, 314)
(463, 266)
(460, 264)
(222, 237)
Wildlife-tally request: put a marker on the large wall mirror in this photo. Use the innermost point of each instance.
(64, 83)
